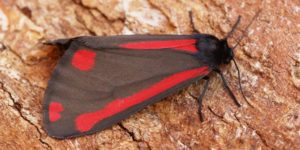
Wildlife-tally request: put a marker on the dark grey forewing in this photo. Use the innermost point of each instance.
(117, 74)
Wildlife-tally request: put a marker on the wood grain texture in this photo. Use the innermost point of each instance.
(269, 59)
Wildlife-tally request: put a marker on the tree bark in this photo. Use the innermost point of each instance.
(268, 57)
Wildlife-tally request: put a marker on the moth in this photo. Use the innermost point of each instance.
(100, 81)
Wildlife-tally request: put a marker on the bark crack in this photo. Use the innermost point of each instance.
(18, 107)
(133, 137)
(79, 4)
(25, 63)
(264, 141)
(8, 48)
(20, 57)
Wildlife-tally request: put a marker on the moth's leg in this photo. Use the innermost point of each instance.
(200, 98)
(227, 87)
(195, 31)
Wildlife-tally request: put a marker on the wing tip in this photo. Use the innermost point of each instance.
(58, 42)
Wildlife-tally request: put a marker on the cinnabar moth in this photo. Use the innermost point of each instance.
(101, 80)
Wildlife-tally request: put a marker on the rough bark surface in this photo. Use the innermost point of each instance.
(269, 59)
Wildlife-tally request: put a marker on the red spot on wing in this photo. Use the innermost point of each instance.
(55, 108)
(84, 60)
(85, 122)
(187, 45)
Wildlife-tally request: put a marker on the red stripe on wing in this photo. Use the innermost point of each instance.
(186, 45)
(85, 122)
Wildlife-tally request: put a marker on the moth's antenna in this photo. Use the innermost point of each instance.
(233, 28)
(240, 85)
(238, 42)
(246, 29)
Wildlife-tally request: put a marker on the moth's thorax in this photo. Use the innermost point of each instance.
(213, 51)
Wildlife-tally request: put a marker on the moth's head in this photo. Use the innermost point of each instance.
(214, 51)
(227, 52)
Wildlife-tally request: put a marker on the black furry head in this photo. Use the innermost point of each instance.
(213, 51)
